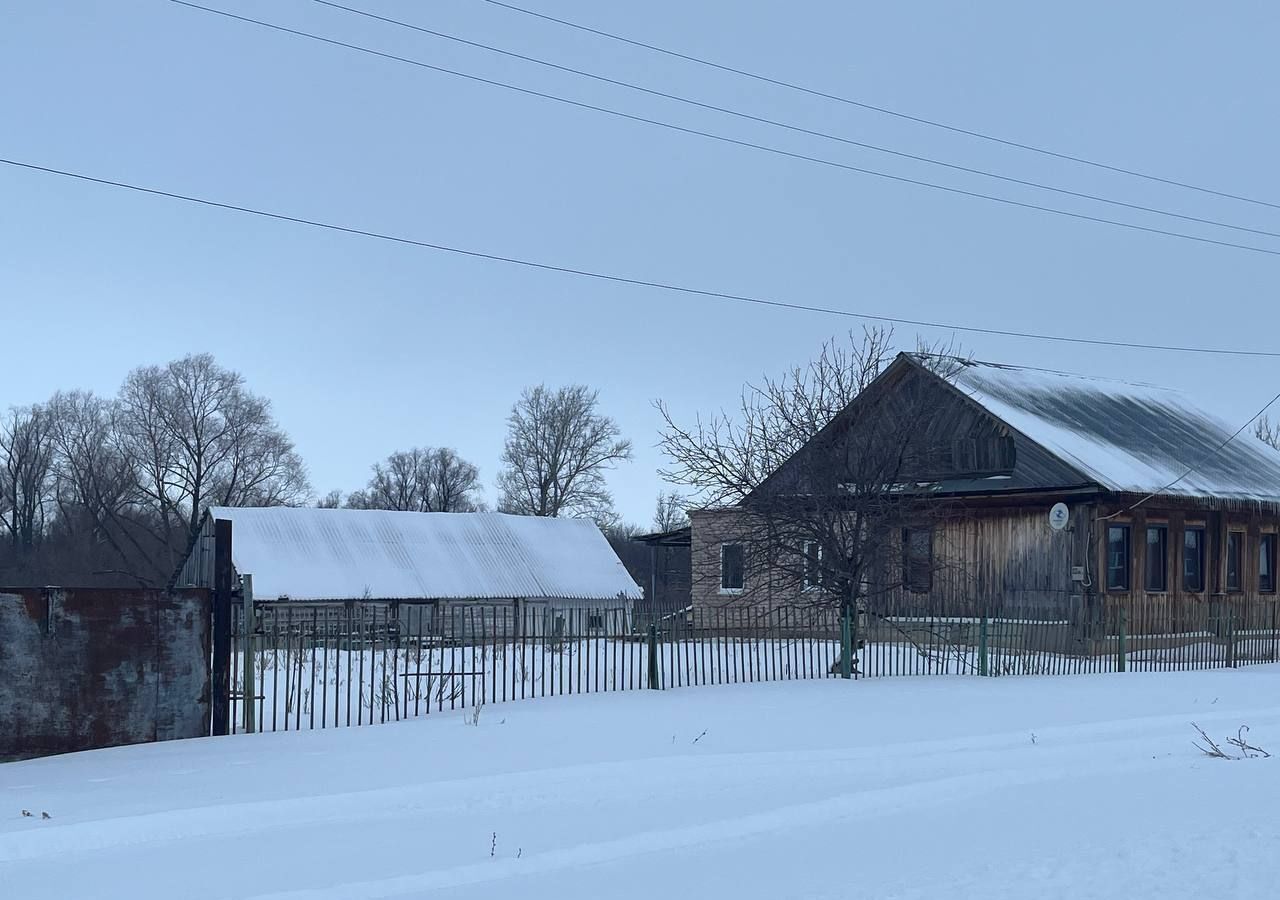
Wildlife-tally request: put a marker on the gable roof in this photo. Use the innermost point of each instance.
(340, 554)
(1125, 437)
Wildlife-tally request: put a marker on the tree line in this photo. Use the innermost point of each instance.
(111, 490)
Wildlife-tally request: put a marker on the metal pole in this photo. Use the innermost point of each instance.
(983, 668)
(1122, 652)
(654, 681)
(250, 630)
(846, 641)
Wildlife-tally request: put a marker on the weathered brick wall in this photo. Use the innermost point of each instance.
(88, 668)
(762, 584)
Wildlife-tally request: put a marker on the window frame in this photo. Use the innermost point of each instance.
(1127, 529)
(811, 563)
(909, 583)
(1235, 555)
(1202, 531)
(742, 568)
(1162, 528)
(1265, 540)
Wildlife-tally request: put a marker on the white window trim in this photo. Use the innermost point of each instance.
(807, 586)
(728, 591)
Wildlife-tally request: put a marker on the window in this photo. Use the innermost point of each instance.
(917, 559)
(730, 568)
(1267, 564)
(812, 565)
(1235, 560)
(1118, 558)
(1157, 561)
(595, 621)
(1193, 560)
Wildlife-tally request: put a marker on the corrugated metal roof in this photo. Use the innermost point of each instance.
(1129, 438)
(328, 554)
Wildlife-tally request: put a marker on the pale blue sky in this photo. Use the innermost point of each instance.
(367, 347)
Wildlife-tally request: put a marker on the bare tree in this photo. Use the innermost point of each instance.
(1268, 432)
(557, 451)
(422, 479)
(331, 500)
(723, 458)
(26, 470)
(818, 476)
(199, 438)
(671, 513)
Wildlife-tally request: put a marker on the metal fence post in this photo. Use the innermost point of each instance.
(247, 622)
(1122, 651)
(983, 667)
(1231, 638)
(654, 682)
(221, 664)
(1274, 634)
(846, 641)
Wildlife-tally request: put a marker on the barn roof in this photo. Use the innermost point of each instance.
(326, 554)
(1125, 437)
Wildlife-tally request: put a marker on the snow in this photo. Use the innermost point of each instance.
(1081, 786)
(1135, 438)
(319, 554)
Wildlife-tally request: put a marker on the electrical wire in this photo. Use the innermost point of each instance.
(734, 141)
(901, 154)
(636, 282)
(883, 110)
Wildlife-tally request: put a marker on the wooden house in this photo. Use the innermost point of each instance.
(1064, 497)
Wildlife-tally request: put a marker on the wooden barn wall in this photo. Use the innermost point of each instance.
(87, 668)
(1006, 561)
(663, 572)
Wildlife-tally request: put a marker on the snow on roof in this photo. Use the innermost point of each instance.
(325, 554)
(1132, 438)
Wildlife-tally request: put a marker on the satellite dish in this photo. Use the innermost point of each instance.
(1059, 516)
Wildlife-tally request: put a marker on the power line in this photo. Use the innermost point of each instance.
(798, 129)
(728, 140)
(637, 282)
(862, 104)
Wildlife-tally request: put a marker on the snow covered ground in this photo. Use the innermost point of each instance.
(1086, 786)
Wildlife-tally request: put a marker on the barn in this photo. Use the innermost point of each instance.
(547, 571)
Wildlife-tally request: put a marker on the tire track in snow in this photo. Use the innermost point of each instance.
(348, 809)
(831, 810)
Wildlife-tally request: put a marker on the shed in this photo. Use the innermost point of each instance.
(478, 559)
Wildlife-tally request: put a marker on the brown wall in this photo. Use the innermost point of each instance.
(1004, 559)
(1217, 524)
(88, 668)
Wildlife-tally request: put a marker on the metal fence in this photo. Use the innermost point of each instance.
(1081, 634)
(325, 665)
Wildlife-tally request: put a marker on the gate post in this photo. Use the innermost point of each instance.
(222, 575)
(249, 624)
